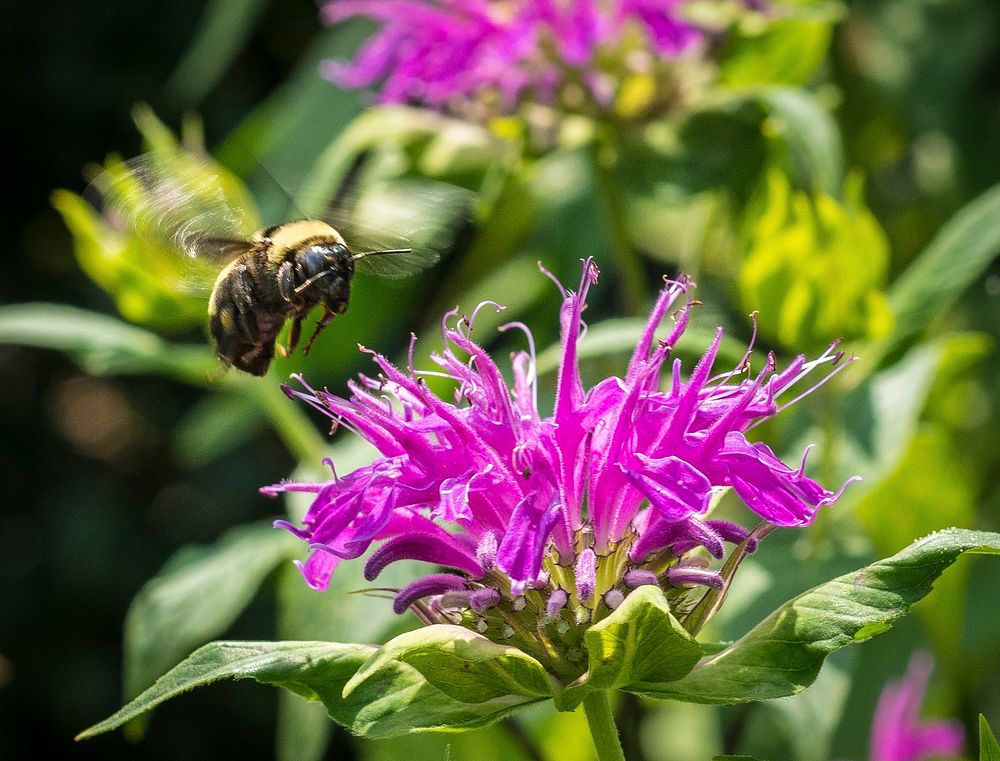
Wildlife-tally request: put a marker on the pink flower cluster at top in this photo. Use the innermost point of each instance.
(434, 51)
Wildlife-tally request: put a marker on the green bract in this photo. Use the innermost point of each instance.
(989, 750)
(446, 677)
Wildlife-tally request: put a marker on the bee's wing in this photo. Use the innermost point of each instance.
(179, 202)
(395, 263)
(399, 227)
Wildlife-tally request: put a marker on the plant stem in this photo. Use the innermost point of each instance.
(713, 598)
(627, 266)
(597, 707)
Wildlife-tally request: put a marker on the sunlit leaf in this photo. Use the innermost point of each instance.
(640, 643)
(316, 670)
(783, 654)
(813, 266)
(464, 666)
(220, 37)
(785, 51)
(808, 129)
(989, 750)
(128, 247)
(196, 597)
(960, 252)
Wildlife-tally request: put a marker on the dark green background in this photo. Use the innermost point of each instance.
(95, 500)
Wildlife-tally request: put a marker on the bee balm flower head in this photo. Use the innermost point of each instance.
(448, 53)
(546, 521)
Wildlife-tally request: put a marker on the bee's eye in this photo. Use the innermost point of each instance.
(313, 261)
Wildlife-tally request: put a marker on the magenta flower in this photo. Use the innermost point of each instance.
(897, 732)
(434, 52)
(560, 514)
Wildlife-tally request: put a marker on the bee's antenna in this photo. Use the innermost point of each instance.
(318, 276)
(383, 251)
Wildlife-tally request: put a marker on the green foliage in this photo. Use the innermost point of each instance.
(196, 597)
(316, 670)
(464, 666)
(960, 252)
(153, 283)
(400, 700)
(819, 708)
(815, 268)
(989, 750)
(224, 31)
(102, 345)
(445, 676)
(785, 51)
(741, 185)
(398, 141)
(797, 119)
(783, 654)
(641, 643)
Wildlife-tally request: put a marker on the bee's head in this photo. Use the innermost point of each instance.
(327, 269)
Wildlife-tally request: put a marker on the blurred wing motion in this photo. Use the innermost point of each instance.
(179, 201)
(398, 227)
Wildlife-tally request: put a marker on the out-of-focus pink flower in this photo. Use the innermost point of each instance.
(898, 734)
(433, 52)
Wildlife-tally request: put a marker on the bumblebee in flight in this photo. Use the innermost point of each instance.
(269, 276)
(285, 271)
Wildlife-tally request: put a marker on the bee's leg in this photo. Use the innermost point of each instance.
(286, 286)
(293, 337)
(322, 323)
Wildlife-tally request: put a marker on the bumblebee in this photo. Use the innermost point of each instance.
(184, 204)
(286, 271)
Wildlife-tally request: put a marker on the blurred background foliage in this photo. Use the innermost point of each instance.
(835, 169)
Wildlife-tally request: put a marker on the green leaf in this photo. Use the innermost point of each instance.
(938, 492)
(820, 709)
(316, 670)
(139, 264)
(811, 134)
(221, 35)
(214, 427)
(988, 748)
(498, 742)
(291, 128)
(638, 645)
(961, 252)
(196, 597)
(783, 654)
(813, 265)
(735, 758)
(463, 665)
(787, 51)
(303, 731)
(399, 139)
(101, 344)
(144, 281)
(441, 677)
(880, 417)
